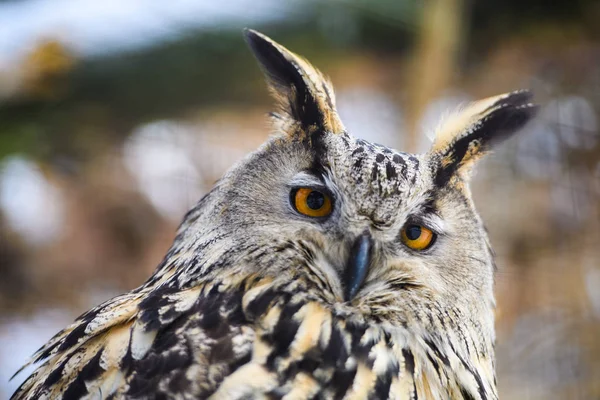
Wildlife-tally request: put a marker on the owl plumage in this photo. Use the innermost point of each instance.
(260, 297)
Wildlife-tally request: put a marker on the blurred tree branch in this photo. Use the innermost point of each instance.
(435, 62)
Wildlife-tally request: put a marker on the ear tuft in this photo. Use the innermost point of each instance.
(465, 136)
(302, 91)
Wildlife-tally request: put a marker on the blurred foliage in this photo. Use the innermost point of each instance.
(44, 68)
(60, 115)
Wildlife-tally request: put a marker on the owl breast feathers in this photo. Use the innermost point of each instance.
(320, 266)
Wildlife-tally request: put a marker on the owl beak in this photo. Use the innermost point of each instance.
(358, 264)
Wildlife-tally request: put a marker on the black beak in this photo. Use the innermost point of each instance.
(358, 264)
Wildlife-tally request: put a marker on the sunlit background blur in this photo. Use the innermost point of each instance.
(116, 116)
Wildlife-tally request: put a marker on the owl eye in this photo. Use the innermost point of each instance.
(417, 237)
(311, 202)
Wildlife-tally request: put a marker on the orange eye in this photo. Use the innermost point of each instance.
(311, 202)
(417, 237)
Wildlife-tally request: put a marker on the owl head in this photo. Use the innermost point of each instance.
(367, 228)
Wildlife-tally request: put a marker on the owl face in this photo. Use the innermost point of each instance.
(370, 227)
(364, 218)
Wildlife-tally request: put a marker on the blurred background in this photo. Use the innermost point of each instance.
(116, 116)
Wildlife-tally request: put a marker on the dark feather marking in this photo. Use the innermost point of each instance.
(307, 252)
(286, 246)
(260, 304)
(91, 371)
(515, 99)
(73, 338)
(358, 150)
(213, 324)
(434, 363)
(390, 171)
(465, 394)
(275, 115)
(383, 383)
(341, 381)
(362, 350)
(415, 161)
(308, 365)
(475, 375)
(401, 286)
(284, 332)
(335, 353)
(46, 353)
(56, 374)
(317, 166)
(179, 383)
(151, 305)
(428, 205)
(170, 352)
(235, 314)
(160, 396)
(357, 330)
(382, 387)
(437, 352)
(374, 173)
(400, 161)
(409, 360)
(358, 164)
(345, 140)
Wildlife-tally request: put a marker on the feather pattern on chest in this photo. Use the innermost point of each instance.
(259, 338)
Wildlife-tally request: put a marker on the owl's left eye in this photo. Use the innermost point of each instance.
(417, 237)
(311, 202)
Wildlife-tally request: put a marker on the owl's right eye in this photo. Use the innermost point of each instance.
(311, 202)
(417, 237)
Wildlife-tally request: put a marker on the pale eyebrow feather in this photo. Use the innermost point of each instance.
(305, 179)
(435, 223)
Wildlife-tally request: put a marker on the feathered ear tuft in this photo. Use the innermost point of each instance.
(303, 93)
(465, 136)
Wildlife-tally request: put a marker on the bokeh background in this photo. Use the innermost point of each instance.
(116, 116)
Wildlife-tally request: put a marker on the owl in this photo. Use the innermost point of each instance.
(321, 266)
